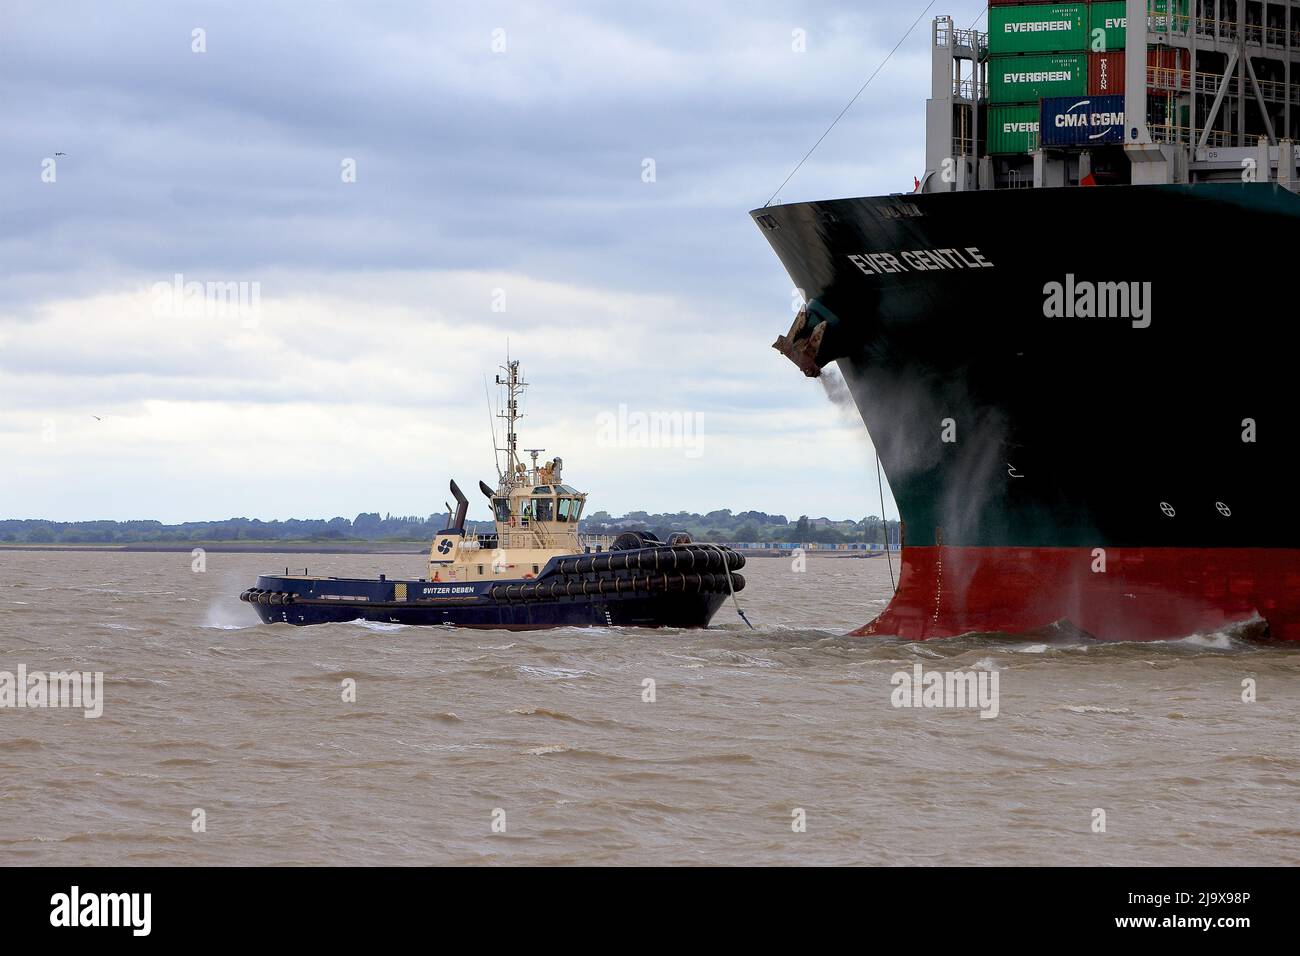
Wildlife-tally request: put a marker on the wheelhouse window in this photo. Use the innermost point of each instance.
(502, 508)
(542, 509)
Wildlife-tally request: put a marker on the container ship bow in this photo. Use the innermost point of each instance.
(1081, 395)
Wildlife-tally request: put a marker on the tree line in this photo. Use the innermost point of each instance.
(724, 526)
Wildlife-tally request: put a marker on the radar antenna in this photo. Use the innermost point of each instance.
(515, 386)
(535, 452)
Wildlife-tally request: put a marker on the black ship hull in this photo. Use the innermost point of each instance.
(1081, 398)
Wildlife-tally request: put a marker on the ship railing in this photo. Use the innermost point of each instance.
(521, 538)
(1168, 133)
(974, 39)
(1168, 78)
(516, 538)
(1015, 180)
(962, 89)
(1173, 133)
(1163, 78)
(597, 542)
(943, 31)
(945, 35)
(1254, 33)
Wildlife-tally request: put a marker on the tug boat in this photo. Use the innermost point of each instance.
(535, 571)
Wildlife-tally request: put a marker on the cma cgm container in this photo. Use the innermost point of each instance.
(1024, 79)
(1082, 121)
(1039, 28)
(1107, 26)
(1012, 129)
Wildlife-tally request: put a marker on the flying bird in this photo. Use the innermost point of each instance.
(96, 418)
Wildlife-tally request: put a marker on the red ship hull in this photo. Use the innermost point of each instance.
(1142, 593)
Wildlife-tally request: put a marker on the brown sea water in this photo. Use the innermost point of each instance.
(206, 708)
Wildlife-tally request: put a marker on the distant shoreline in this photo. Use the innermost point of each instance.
(226, 547)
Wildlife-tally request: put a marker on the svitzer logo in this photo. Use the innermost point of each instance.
(103, 909)
(1074, 299)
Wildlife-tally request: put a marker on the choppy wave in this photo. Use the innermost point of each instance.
(682, 746)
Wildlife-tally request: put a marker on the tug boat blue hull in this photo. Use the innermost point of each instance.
(673, 586)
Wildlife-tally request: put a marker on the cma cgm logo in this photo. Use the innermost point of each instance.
(1079, 116)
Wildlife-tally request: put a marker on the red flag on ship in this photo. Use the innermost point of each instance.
(916, 184)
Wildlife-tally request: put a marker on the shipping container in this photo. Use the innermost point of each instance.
(1166, 70)
(1107, 25)
(1082, 121)
(1025, 79)
(1105, 74)
(1012, 129)
(1039, 28)
(1157, 14)
(1169, 68)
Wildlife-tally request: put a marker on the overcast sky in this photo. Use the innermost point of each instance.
(500, 194)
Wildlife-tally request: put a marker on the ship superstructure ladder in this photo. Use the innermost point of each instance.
(956, 108)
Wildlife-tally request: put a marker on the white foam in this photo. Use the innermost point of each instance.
(553, 673)
(548, 749)
(379, 625)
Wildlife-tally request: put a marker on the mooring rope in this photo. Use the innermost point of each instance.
(726, 566)
(850, 103)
